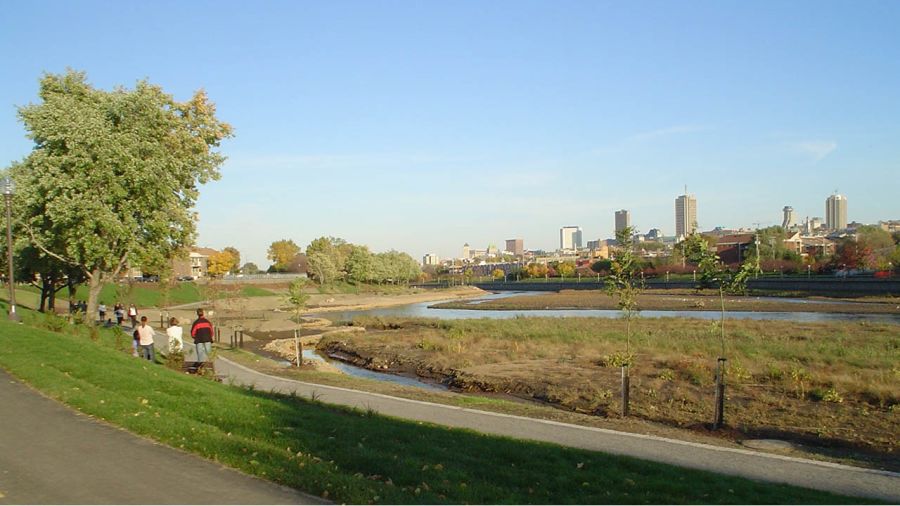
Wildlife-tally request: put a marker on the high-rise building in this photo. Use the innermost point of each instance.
(836, 212)
(570, 238)
(430, 259)
(515, 246)
(623, 220)
(685, 215)
(790, 219)
(467, 252)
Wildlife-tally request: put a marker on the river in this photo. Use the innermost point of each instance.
(423, 310)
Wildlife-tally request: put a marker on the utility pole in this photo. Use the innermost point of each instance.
(757, 247)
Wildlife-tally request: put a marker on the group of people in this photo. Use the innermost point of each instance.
(119, 312)
(201, 332)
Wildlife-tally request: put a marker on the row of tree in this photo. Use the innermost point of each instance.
(331, 259)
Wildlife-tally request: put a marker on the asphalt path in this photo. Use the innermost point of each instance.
(50, 454)
(837, 478)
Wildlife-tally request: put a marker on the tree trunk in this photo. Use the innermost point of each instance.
(46, 289)
(95, 279)
(51, 302)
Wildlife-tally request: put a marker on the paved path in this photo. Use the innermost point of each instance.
(50, 454)
(836, 478)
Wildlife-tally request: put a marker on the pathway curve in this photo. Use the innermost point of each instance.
(50, 454)
(841, 479)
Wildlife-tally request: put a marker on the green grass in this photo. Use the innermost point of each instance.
(344, 454)
(144, 294)
(255, 291)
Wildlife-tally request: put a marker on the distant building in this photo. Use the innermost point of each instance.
(812, 225)
(196, 264)
(431, 259)
(685, 215)
(654, 234)
(732, 249)
(515, 246)
(570, 238)
(790, 219)
(623, 220)
(836, 212)
(466, 252)
(890, 225)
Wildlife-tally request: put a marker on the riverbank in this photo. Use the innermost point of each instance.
(829, 386)
(680, 300)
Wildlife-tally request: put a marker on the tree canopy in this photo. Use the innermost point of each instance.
(282, 252)
(113, 175)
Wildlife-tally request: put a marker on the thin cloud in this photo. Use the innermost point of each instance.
(814, 149)
(666, 132)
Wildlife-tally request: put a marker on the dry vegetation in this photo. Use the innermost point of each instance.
(680, 300)
(829, 384)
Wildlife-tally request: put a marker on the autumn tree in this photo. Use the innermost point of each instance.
(281, 253)
(219, 264)
(113, 175)
(236, 258)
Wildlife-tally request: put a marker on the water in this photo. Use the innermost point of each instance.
(422, 310)
(359, 372)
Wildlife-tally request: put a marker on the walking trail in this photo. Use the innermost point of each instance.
(54, 455)
(837, 478)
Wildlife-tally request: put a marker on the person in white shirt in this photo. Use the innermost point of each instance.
(176, 343)
(145, 340)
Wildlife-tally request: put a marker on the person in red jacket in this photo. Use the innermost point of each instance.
(202, 332)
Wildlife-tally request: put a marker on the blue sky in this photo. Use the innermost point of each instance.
(423, 125)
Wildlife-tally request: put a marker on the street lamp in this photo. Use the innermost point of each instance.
(9, 187)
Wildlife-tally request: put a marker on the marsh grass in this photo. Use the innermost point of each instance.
(836, 381)
(347, 455)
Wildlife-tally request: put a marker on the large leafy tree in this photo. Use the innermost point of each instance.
(114, 175)
(281, 253)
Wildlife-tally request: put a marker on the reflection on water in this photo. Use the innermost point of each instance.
(359, 372)
(422, 310)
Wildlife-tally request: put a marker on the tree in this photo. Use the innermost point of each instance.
(498, 274)
(624, 285)
(113, 175)
(566, 269)
(219, 264)
(321, 268)
(236, 255)
(250, 268)
(281, 253)
(361, 265)
(335, 249)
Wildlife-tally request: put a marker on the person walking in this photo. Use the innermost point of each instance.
(132, 313)
(102, 310)
(202, 333)
(176, 343)
(145, 336)
(119, 311)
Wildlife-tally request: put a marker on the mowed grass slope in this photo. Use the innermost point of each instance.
(343, 454)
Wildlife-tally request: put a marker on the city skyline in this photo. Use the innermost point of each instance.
(465, 124)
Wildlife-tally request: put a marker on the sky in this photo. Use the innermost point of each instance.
(420, 126)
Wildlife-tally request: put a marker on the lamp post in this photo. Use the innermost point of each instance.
(9, 187)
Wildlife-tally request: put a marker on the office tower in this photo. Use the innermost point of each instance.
(836, 212)
(430, 259)
(570, 238)
(623, 220)
(790, 219)
(685, 215)
(467, 252)
(515, 246)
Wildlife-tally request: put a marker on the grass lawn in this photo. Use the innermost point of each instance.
(342, 454)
